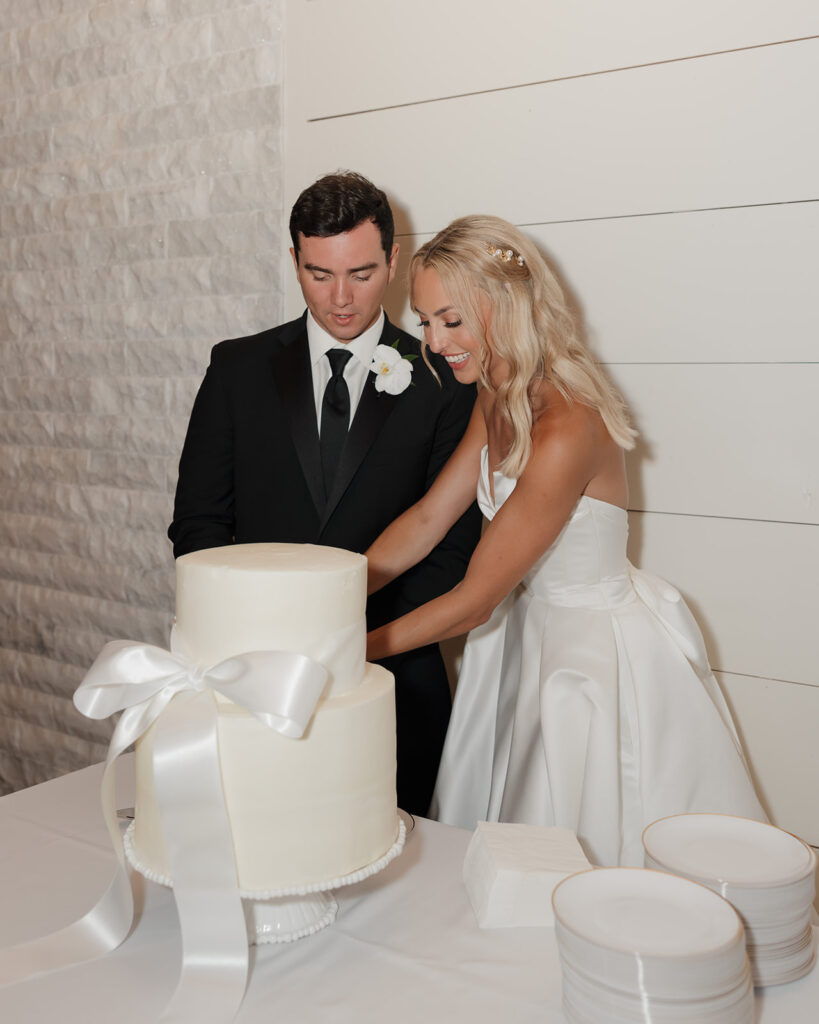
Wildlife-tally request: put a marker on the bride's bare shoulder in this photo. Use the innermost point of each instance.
(557, 417)
(570, 437)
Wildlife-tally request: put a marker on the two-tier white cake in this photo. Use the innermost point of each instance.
(301, 811)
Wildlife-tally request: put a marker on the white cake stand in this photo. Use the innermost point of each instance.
(292, 912)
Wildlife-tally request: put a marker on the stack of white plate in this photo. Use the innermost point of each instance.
(767, 875)
(641, 946)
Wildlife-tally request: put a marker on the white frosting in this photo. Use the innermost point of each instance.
(301, 598)
(301, 811)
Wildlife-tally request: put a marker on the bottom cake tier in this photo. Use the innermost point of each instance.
(301, 811)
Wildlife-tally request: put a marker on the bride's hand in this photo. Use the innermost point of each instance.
(413, 535)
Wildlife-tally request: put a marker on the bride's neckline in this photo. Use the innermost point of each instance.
(492, 473)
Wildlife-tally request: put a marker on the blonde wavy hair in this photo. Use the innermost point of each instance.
(531, 326)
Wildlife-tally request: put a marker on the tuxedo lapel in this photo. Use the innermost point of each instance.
(374, 409)
(293, 379)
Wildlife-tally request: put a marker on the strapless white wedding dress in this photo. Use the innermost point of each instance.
(586, 701)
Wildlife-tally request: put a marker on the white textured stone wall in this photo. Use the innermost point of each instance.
(140, 221)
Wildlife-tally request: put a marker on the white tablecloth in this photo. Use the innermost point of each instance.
(404, 948)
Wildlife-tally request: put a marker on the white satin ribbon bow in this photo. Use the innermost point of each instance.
(281, 690)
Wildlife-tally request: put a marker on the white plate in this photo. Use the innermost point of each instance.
(783, 974)
(736, 851)
(631, 910)
(597, 1004)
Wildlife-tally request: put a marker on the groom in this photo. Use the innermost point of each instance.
(289, 440)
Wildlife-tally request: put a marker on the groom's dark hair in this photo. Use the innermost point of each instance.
(340, 202)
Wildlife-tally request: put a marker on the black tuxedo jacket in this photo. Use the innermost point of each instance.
(250, 471)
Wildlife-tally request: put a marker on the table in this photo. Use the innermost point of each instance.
(404, 948)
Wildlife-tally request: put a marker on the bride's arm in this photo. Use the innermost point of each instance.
(562, 463)
(412, 536)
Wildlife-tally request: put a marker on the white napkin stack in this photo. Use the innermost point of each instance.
(510, 872)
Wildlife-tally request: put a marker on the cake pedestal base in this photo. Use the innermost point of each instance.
(288, 918)
(284, 915)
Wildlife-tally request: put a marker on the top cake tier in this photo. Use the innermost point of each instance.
(302, 598)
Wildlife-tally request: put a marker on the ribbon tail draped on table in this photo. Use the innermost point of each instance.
(280, 689)
(99, 930)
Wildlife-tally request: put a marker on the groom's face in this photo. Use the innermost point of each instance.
(344, 278)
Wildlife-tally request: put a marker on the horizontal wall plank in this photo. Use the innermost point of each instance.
(753, 586)
(710, 286)
(777, 722)
(731, 130)
(426, 49)
(724, 440)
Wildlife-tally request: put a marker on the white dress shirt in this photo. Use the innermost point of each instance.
(357, 368)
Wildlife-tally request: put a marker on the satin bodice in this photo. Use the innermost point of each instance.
(586, 565)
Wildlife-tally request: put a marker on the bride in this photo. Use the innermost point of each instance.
(585, 699)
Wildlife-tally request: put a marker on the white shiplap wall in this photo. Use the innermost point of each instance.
(665, 158)
(140, 208)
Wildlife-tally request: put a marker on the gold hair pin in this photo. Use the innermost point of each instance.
(507, 255)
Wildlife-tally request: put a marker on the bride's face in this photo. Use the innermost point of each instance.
(444, 330)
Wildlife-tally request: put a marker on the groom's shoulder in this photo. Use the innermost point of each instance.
(253, 348)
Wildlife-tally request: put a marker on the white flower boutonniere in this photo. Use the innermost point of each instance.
(393, 372)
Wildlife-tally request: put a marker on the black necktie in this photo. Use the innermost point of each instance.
(335, 416)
